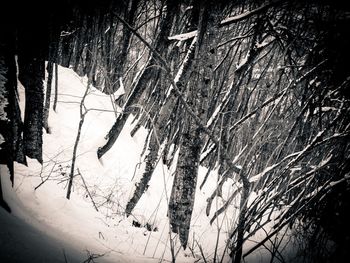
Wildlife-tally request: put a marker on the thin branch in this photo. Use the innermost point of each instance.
(87, 190)
(180, 95)
(228, 21)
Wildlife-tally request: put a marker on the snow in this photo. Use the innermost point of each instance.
(2, 139)
(260, 175)
(265, 43)
(243, 61)
(184, 36)
(180, 71)
(49, 219)
(46, 227)
(121, 90)
(325, 109)
(245, 14)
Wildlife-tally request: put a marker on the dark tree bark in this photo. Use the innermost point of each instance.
(151, 70)
(11, 144)
(53, 47)
(11, 124)
(66, 49)
(56, 87)
(184, 187)
(185, 181)
(120, 62)
(160, 134)
(31, 75)
(48, 96)
(3, 203)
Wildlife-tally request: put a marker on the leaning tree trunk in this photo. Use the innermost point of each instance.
(183, 191)
(120, 62)
(151, 70)
(159, 134)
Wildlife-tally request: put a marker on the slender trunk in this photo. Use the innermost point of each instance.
(236, 257)
(83, 112)
(120, 62)
(141, 187)
(79, 47)
(48, 96)
(159, 135)
(75, 149)
(56, 87)
(161, 45)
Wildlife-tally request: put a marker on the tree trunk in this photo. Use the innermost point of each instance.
(77, 139)
(141, 187)
(31, 75)
(183, 192)
(184, 187)
(159, 134)
(3, 203)
(48, 96)
(56, 88)
(120, 62)
(151, 70)
(11, 126)
(236, 257)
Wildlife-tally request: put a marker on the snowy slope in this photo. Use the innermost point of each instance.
(52, 222)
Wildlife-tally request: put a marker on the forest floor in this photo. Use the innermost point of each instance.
(46, 227)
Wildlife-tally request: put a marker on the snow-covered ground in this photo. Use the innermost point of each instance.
(46, 227)
(74, 226)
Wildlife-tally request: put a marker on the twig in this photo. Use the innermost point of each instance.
(202, 253)
(47, 178)
(87, 190)
(92, 256)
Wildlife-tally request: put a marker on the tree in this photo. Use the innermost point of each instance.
(145, 79)
(259, 95)
(200, 82)
(12, 148)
